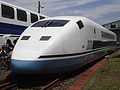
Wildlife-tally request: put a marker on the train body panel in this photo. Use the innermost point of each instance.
(60, 44)
(39, 46)
(14, 20)
(55, 65)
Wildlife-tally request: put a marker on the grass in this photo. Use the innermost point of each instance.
(107, 77)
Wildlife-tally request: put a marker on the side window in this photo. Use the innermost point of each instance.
(21, 15)
(41, 17)
(107, 35)
(80, 24)
(7, 11)
(94, 31)
(112, 26)
(34, 18)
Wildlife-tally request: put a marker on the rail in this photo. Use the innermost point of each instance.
(9, 85)
(51, 84)
(59, 80)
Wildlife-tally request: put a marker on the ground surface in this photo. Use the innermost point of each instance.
(107, 77)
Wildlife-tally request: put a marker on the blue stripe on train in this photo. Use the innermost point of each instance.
(52, 66)
(11, 28)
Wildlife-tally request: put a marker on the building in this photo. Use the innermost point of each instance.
(114, 27)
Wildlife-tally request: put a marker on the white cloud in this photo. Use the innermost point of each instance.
(59, 4)
(93, 13)
(97, 12)
(51, 6)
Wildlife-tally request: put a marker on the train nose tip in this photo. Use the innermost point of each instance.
(26, 66)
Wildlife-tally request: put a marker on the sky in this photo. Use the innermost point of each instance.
(100, 11)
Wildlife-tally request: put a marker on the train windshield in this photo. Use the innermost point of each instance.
(50, 23)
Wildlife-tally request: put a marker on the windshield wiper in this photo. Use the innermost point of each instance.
(47, 23)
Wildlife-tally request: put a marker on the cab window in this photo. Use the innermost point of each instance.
(51, 23)
(34, 18)
(80, 24)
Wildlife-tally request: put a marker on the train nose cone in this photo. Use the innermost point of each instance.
(26, 66)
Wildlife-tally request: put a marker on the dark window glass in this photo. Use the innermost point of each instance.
(39, 24)
(45, 38)
(113, 26)
(41, 17)
(50, 23)
(94, 31)
(100, 44)
(25, 37)
(21, 15)
(7, 11)
(80, 24)
(34, 18)
(106, 35)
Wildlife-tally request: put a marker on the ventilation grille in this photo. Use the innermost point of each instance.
(25, 37)
(45, 38)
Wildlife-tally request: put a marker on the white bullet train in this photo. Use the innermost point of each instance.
(14, 20)
(60, 44)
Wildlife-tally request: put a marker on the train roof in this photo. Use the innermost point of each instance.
(84, 20)
(21, 8)
(68, 17)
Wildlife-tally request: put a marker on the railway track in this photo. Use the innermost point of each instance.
(11, 85)
(16, 82)
(51, 85)
(59, 80)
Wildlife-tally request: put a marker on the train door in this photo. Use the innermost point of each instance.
(90, 38)
(89, 44)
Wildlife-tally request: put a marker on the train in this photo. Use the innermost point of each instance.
(60, 44)
(14, 20)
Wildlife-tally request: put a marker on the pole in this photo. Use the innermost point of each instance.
(39, 7)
